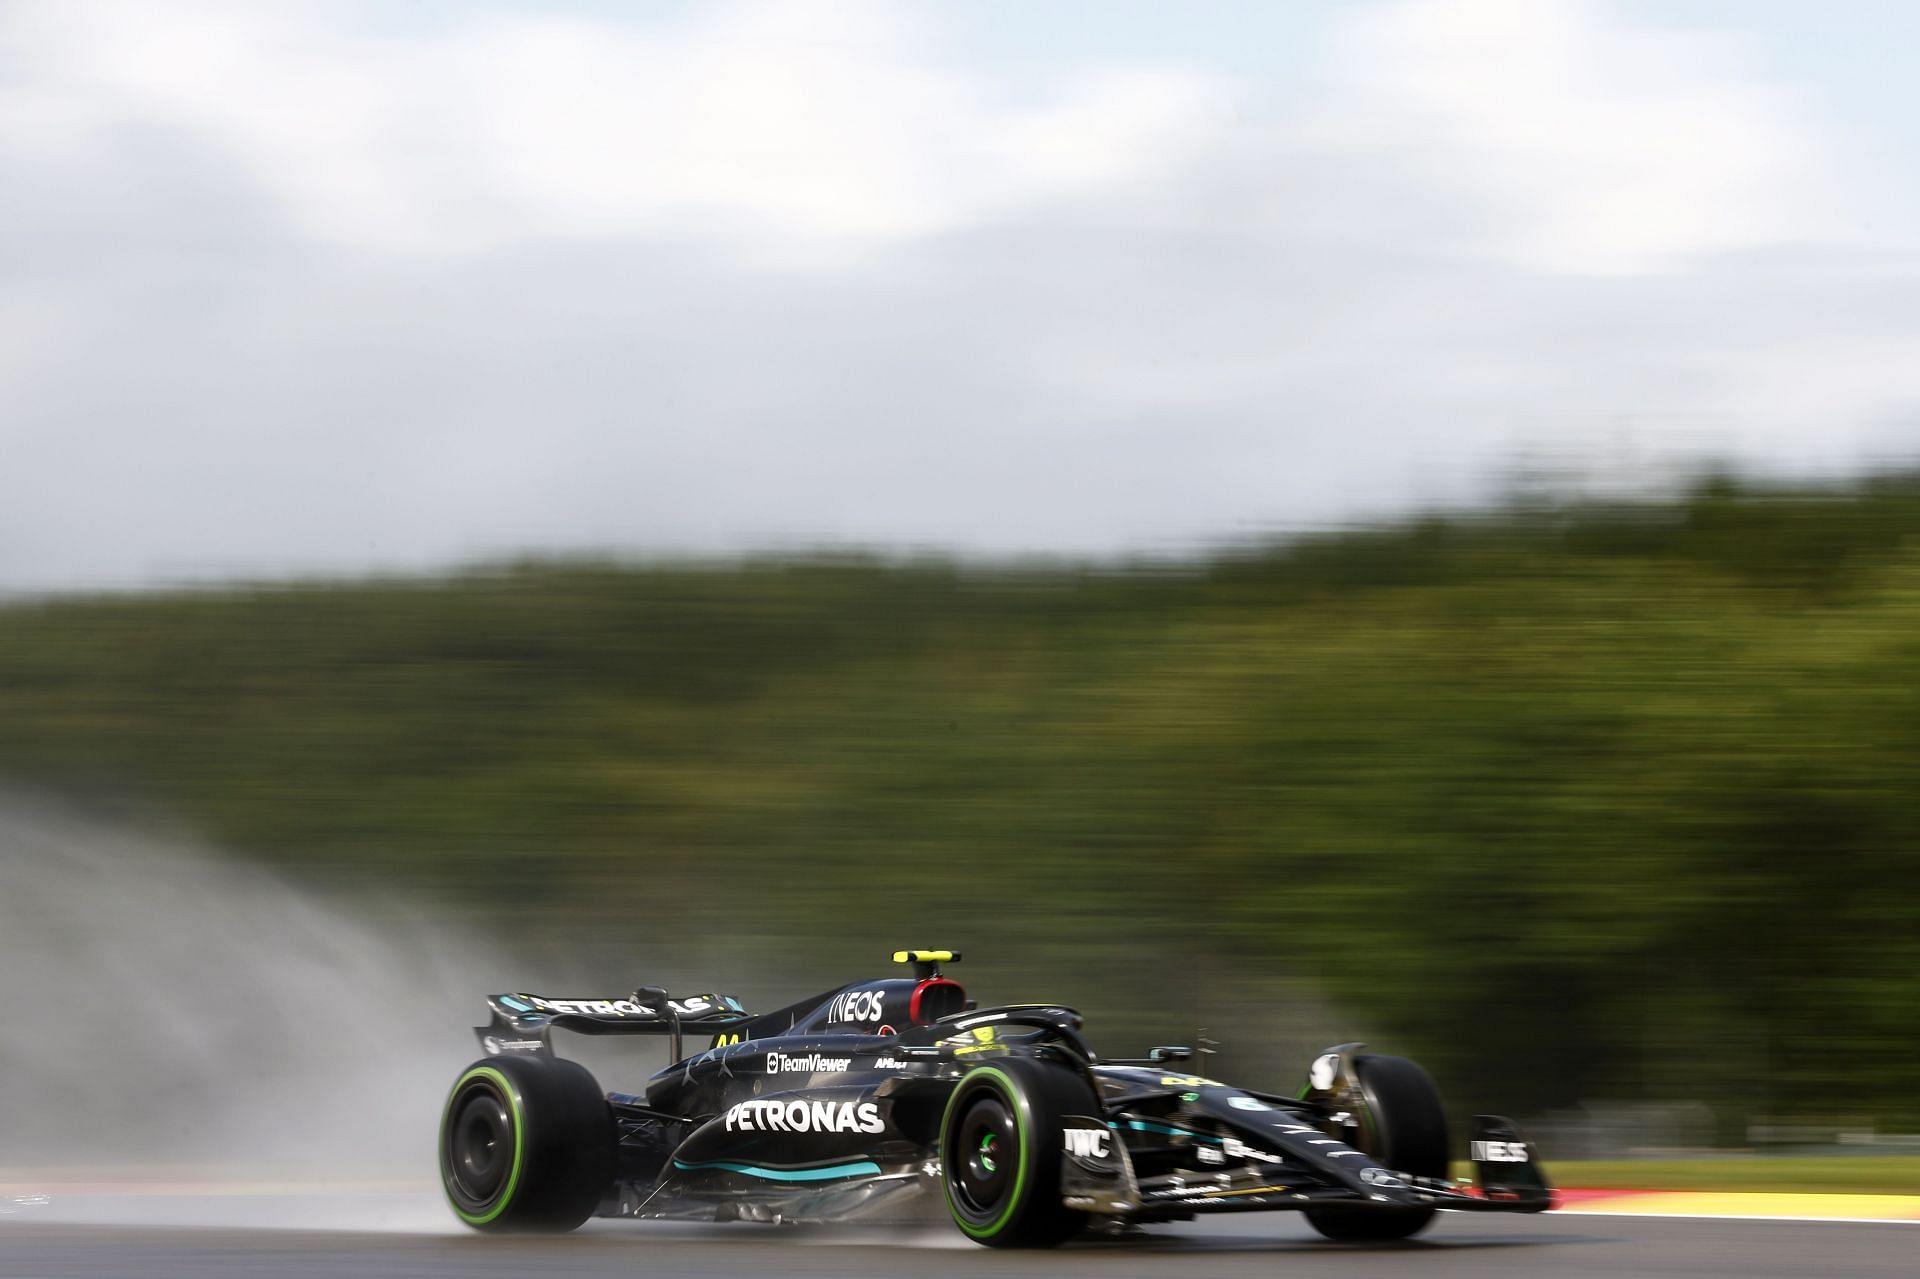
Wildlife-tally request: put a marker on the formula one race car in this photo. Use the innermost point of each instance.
(884, 1092)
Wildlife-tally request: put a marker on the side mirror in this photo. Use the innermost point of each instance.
(1170, 1052)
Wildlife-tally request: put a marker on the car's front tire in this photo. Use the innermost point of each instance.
(1403, 1125)
(526, 1144)
(1001, 1147)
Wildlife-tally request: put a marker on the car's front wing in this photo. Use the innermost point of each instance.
(1230, 1152)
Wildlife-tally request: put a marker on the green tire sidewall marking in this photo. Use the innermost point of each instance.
(1011, 1092)
(519, 1141)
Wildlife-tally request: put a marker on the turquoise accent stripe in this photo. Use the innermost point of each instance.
(862, 1168)
(515, 1004)
(1141, 1125)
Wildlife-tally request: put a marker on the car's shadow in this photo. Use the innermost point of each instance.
(1226, 1244)
(1178, 1242)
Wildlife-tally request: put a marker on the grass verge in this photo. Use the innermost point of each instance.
(1836, 1174)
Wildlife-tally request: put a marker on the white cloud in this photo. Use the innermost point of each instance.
(1598, 146)
(826, 119)
(281, 289)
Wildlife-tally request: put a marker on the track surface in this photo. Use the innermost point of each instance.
(1570, 1246)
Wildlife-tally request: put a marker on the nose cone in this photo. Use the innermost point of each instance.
(1332, 1160)
(1382, 1185)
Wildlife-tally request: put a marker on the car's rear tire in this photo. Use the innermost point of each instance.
(1000, 1152)
(1404, 1127)
(526, 1144)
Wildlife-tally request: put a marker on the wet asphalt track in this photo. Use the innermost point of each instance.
(1573, 1246)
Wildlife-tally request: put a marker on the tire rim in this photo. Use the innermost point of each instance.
(986, 1148)
(479, 1146)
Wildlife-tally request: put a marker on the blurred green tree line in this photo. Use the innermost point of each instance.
(1572, 800)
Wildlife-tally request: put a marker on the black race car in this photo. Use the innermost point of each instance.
(884, 1093)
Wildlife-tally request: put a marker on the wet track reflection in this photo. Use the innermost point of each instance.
(1566, 1245)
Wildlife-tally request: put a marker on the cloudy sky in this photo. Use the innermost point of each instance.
(298, 287)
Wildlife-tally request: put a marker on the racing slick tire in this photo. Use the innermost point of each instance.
(1404, 1127)
(1001, 1147)
(526, 1144)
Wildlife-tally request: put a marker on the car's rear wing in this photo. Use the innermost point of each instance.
(522, 1022)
